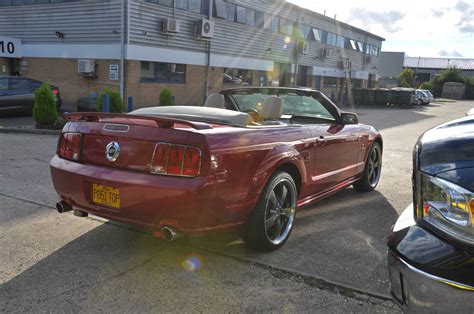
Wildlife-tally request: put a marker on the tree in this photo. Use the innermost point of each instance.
(406, 78)
(44, 108)
(452, 74)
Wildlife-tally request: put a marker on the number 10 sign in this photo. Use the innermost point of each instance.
(10, 47)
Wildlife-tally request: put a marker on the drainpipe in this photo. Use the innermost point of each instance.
(122, 47)
(208, 61)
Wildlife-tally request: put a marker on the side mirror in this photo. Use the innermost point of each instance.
(349, 118)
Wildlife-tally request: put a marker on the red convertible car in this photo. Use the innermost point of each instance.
(247, 158)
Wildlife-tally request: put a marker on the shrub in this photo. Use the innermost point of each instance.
(166, 99)
(44, 108)
(470, 88)
(115, 105)
(406, 78)
(426, 85)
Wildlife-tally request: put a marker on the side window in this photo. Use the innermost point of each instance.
(19, 85)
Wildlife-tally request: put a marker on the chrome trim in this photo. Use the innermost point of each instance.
(112, 157)
(436, 278)
(125, 126)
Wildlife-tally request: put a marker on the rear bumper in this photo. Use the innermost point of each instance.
(189, 205)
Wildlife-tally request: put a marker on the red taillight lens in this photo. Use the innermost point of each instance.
(160, 158)
(70, 146)
(192, 162)
(56, 92)
(176, 160)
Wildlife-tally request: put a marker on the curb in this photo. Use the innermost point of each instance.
(29, 131)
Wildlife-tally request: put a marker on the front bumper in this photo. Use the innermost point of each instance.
(428, 273)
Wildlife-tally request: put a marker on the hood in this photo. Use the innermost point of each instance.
(448, 147)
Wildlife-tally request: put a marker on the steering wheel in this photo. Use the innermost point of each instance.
(254, 113)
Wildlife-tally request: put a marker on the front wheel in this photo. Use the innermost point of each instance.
(270, 224)
(373, 168)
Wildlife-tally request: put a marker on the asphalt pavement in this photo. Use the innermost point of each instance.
(334, 261)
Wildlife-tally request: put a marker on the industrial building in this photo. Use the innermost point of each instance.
(392, 64)
(193, 47)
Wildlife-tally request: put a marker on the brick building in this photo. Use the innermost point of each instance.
(194, 47)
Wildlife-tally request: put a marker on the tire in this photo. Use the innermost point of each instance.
(270, 223)
(372, 170)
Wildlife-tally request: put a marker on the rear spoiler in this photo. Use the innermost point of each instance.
(162, 122)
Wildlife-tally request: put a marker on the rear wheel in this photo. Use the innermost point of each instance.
(270, 224)
(373, 169)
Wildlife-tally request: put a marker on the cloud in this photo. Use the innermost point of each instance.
(462, 6)
(466, 21)
(437, 13)
(454, 53)
(386, 19)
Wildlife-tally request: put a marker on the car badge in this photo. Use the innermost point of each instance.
(112, 151)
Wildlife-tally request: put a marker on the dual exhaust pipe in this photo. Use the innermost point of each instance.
(63, 207)
(167, 233)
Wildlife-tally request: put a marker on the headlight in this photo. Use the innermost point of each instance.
(447, 207)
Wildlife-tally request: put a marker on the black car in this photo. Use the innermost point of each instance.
(17, 94)
(431, 248)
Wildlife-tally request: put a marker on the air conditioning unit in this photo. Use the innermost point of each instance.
(170, 26)
(368, 59)
(86, 67)
(304, 47)
(326, 53)
(345, 64)
(205, 29)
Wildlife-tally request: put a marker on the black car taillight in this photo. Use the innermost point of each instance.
(69, 146)
(176, 160)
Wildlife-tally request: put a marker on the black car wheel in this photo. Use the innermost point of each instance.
(373, 168)
(270, 224)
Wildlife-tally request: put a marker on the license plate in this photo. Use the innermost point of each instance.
(105, 195)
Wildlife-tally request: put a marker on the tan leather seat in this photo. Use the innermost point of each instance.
(215, 101)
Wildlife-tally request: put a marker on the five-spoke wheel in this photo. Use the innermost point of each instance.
(271, 222)
(373, 168)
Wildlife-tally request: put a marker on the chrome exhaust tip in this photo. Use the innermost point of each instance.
(169, 234)
(63, 207)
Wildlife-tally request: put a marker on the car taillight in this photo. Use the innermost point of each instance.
(69, 146)
(176, 160)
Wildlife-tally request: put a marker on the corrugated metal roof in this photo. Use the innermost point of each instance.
(438, 63)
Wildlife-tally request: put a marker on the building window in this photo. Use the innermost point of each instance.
(168, 3)
(275, 23)
(230, 12)
(241, 15)
(304, 31)
(162, 72)
(341, 42)
(220, 9)
(189, 5)
(330, 81)
(250, 17)
(26, 2)
(372, 50)
(286, 27)
(318, 35)
(237, 76)
(331, 39)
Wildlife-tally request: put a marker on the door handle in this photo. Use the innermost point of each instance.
(321, 141)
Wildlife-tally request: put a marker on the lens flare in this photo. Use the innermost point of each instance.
(192, 263)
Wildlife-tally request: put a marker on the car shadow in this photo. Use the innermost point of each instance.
(341, 239)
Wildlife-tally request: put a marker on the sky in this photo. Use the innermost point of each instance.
(435, 28)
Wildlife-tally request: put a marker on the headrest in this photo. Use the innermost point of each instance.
(215, 101)
(272, 108)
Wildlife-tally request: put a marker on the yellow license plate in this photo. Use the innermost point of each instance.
(105, 195)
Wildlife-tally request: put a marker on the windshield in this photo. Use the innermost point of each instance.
(293, 104)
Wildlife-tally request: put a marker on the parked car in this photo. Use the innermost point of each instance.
(431, 248)
(88, 103)
(429, 94)
(248, 159)
(421, 98)
(17, 94)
